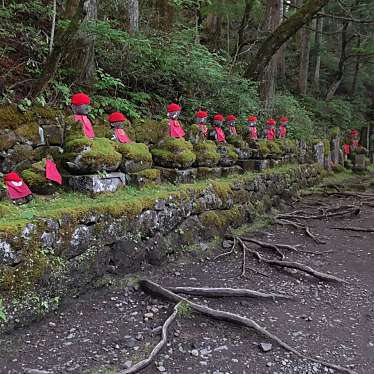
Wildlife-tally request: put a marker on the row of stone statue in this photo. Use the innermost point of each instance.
(86, 153)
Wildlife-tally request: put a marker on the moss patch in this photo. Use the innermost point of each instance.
(151, 174)
(206, 154)
(174, 153)
(134, 151)
(149, 131)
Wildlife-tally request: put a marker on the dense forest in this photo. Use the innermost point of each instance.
(310, 60)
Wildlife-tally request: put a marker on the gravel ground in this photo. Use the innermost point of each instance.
(107, 330)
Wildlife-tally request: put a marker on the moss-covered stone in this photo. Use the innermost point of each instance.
(12, 118)
(174, 153)
(28, 133)
(228, 156)
(206, 154)
(7, 139)
(148, 131)
(135, 157)
(85, 156)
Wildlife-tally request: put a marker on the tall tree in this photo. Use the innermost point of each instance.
(304, 48)
(81, 53)
(74, 15)
(280, 35)
(267, 80)
(133, 14)
(317, 53)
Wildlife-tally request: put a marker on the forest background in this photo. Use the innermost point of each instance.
(309, 60)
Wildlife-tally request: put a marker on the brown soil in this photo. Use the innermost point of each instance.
(103, 330)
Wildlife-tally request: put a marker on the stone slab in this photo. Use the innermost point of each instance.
(207, 173)
(247, 165)
(177, 176)
(94, 183)
(231, 170)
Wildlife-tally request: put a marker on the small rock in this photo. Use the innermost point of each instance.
(127, 364)
(266, 347)
(195, 352)
(161, 369)
(148, 315)
(36, 371)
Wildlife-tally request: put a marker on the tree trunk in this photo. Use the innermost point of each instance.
(133, 12)
(267, 82)
(81, 55)
(317, 51)
(244, 24)
(304, 60)
(281, 53)
(279, 36)
(357, 69)
(165, 13)
(214, 29)
(74, 12)
(339, 75)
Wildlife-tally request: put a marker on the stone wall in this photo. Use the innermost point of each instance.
(44, 260)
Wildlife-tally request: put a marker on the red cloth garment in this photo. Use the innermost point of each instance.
(270, 133)
(52, 173)
(86, 125)
(282, 131)
(232, 130)
(253, 133)
(80, 99)
(16, 187)
(354, 144)
(204, 129)
(220, 135)
(175, 129)
(346, 149)
(122, 136)
(116, 117)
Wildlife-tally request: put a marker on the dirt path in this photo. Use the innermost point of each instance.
(107, 329)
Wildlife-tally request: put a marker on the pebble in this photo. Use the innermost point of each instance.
(266, 347)
(195, 352)
(161, 369)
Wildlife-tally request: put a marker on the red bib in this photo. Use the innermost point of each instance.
(220, 135)
(282, 132)
(354, 144)
(253, 133)
(270, 134)
(346, 149)
(52, 173)
(122, 136)
(17, 190)
(86, 125)
(175, 129)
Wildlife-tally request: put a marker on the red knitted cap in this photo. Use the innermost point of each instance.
(252, 119)
(230, 118)
(201, 114)
(116, 117)
(271, 122)
(80, 99)
(12, 177)
(218, 117)
(174, 108)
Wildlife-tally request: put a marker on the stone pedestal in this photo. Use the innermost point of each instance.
(177, 176)
(231, 170)
(359, 163)
(319, 153)
(94, 183)
(335, 148)
(247, 165)
(208, 173)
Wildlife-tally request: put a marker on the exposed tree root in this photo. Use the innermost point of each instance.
(156, 350)
(292, 265)
(228, 253)
(155, 289)
(362, 229)
(227, 292)
(279, 246)
(297, 225)
(331, 212)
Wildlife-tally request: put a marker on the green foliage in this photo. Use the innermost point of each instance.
(184, 310)
(300, 123)
(3, 314)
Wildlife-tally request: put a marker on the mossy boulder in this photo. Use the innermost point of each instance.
(145, 177)
(174, 153)
(8, 139)
(85, 156)
(36, 180)
(28, 133)
(148, 131)
(288, 146)
(242, 148)
(135, 157)
(228, 156)
(194, 134)
(206, 154)
(12, 118)
(269, 149)
(17, 158)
